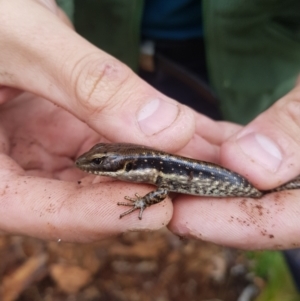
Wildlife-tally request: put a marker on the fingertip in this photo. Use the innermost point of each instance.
(267, 223)
(251, 156)
(155, 115)
(266, 150)
(106, 88)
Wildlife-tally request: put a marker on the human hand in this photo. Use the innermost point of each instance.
(41, 133)
(266, 152)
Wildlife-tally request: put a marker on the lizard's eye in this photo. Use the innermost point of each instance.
(97, 161)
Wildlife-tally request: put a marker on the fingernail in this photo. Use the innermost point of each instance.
(262, 150)
(156, 115)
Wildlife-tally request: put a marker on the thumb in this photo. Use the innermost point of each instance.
(62, 67)
(266, 151)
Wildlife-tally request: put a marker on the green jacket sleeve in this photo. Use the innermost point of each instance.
(112, 25)
(253, 50)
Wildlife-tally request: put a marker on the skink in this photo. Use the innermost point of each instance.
(170, 173)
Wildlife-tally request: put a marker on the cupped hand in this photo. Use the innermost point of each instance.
(76, 95)
(80, 95)
(266, 152)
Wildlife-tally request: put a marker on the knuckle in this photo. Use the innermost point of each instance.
(98, 81)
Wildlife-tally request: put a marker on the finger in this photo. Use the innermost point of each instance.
(268, 223)
(58, 210)
(266, 151)
(208, 137)
(215, 132)
(201, 149)
(86, 81)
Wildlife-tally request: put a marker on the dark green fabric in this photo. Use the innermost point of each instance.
(112, 25)
(253, 52)
(253, 47)
(67, 6)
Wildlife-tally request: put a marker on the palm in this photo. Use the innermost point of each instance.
(43, 138)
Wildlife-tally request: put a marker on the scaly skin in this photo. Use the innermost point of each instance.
(170, 173)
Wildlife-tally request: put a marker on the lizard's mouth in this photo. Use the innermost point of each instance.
(82, 164)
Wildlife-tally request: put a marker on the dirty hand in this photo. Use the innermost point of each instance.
(266, 152)
(76, 95)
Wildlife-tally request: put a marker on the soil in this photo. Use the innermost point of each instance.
(135, 266)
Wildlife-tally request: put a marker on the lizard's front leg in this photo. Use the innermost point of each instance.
(147, 200)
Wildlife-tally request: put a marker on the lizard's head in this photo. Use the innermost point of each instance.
(106, 159)
(97, 160)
